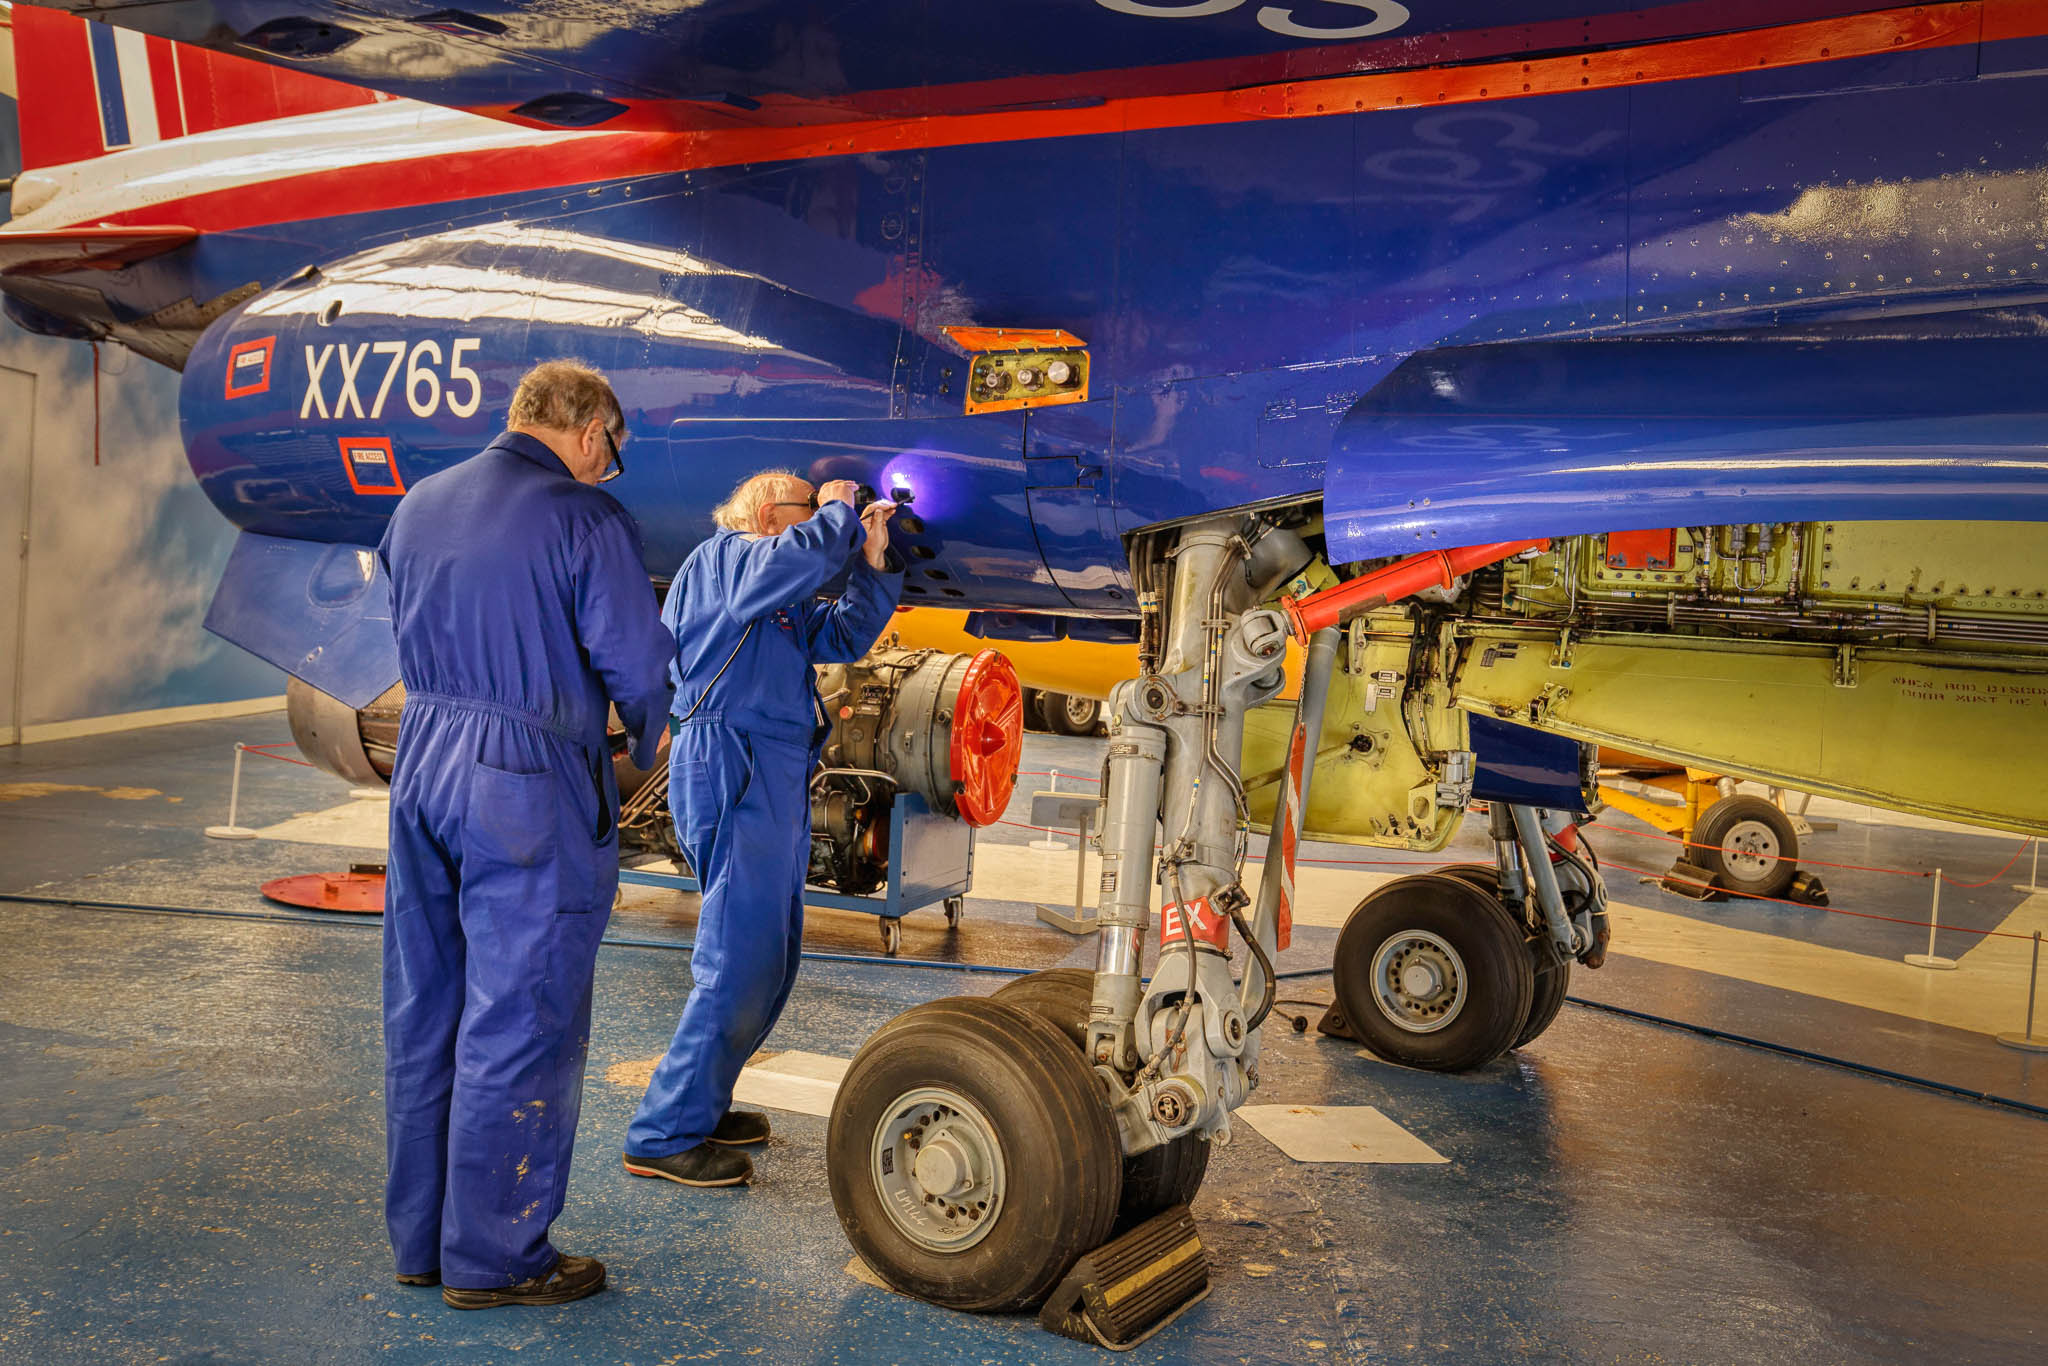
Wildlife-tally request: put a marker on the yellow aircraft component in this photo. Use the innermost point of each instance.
(1079, 668)
(1696, 791)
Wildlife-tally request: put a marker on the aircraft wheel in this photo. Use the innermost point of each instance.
(970, 1155)
(1749, 844)
(1484, 876)
(1071, 715)
(1431, 972)
(1552, 982)
(1154, 1180)
(1034, 710)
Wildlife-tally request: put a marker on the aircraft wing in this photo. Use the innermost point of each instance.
(683, 65)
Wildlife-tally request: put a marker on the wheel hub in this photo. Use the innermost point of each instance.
(1419, 981)
(1750, 851)
(938, 1166)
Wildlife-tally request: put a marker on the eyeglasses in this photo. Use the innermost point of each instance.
(811, 503)
(618, 464)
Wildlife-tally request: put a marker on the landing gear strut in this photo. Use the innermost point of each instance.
(980, 1146)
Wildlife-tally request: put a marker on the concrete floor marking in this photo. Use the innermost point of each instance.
(1338, 1133)
(800, 1082)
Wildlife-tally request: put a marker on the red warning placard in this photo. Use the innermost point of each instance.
(1207, 924)
(249, 367)
(370, 465)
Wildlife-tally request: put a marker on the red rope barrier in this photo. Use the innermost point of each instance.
(263, 751)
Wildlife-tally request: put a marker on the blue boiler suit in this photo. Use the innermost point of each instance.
(521, 603)
(739, 786)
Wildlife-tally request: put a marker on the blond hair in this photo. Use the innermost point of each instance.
(564, 395)
(741, 511)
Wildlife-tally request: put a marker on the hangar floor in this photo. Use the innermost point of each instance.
(191, 1144)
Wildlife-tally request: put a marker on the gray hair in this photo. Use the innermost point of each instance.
(741, 510)
(564, 395)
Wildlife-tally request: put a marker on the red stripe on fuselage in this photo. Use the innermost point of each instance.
(611, 156)
(1015, 95)
(163, 86)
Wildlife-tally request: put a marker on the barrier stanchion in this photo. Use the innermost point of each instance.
(1931, 959)
(2029, 1041)
(1048, 841)
(2033, 883)
(232, 831)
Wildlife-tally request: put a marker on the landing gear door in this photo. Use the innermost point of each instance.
(1067, 481)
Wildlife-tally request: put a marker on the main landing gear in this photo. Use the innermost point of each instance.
(1448, 970)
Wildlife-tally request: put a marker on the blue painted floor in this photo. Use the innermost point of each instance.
(191, 1148)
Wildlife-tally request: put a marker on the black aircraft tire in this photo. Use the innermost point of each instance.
(1550, 989)
(1470, 958)
(1756, 826)
(1551, 983)
(1484, 876)
(1046, 1126)
(1154, 1180)
(1067, 714)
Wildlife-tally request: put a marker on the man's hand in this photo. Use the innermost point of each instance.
(838, 491)
(876, 519)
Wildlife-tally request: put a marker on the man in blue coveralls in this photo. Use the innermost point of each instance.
(521, 603)
(749, 727)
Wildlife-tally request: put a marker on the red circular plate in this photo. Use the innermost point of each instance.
(359, 893)
(988, 737)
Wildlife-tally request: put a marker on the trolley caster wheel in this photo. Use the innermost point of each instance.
(956, 907)
(1749, 846)
(1431, 972)
(1154, 1180)
(970, 1155)
(892, 935)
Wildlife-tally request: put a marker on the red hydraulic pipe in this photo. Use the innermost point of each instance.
(1435, 569)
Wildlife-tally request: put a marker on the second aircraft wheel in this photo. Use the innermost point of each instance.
(1551, 983)
(1154, 1180)
(970, 1155)
(1430, 971)
(1749, 844)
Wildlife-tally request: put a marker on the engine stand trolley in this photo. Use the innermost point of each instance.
(931, 862)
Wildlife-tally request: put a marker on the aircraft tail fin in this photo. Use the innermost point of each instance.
(87, 89)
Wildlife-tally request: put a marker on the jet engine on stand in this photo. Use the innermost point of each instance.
(923, 749)
(943, 727)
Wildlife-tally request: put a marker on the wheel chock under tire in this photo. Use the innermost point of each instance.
(1693, 882)
(1336, 1025)
(1131, 1287)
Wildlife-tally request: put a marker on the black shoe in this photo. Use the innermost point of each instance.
(740, 1129)
(423, 1278)
(702, 1165)
(571, 1279)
